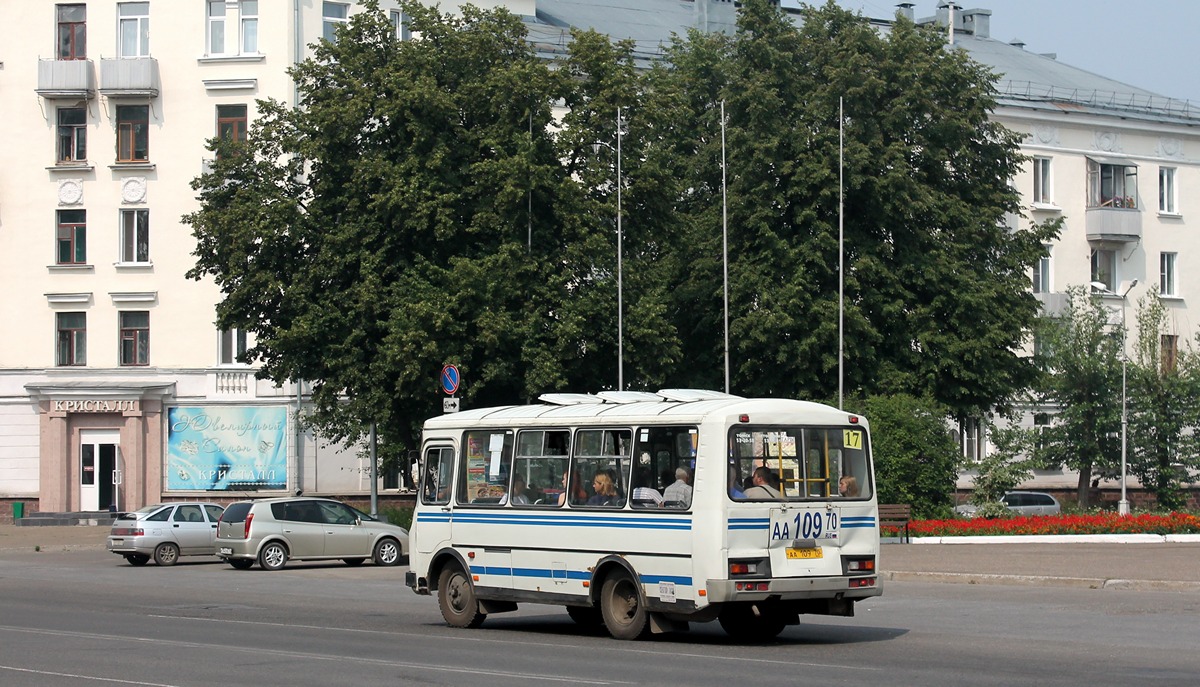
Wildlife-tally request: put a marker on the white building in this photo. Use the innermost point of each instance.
(116, 389)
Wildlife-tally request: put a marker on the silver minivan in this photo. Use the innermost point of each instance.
(274, 531)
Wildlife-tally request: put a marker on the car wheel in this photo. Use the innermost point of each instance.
(166, 554)
(353, 562)
(456, 598)
(387, 552)
(741, 622)
(621, 607)
(241, 563)
(137, 559)
(273, 556)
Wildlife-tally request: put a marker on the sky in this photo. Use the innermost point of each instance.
(1152, 44)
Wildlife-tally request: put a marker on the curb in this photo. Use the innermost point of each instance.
(1065, 539)
(1044, 581)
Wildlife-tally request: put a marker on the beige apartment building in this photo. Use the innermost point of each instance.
(116, 388)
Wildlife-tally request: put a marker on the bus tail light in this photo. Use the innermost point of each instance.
(752, 586)
(862, 582)
(742, 568)
(860, 565)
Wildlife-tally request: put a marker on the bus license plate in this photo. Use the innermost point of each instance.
(791, 524)
(805, 553)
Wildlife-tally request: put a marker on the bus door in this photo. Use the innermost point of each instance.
(434, 511)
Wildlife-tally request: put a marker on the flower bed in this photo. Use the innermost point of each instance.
(1099, 523)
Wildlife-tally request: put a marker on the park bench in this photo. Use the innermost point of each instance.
(896, 515)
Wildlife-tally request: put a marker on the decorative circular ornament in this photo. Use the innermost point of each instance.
(1046, 134)
(70, 191)
(1107, 141)
(133, 190)
(1170, 147)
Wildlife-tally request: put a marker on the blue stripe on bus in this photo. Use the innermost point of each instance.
(546, 574)
(749, 523)
(558, 520)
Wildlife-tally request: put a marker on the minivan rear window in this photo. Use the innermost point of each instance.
(236, 512)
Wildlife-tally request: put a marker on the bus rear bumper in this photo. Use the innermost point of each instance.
(786, 589)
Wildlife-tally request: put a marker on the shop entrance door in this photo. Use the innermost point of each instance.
(97, 465)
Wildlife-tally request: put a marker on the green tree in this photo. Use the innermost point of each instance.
(916, 461)
(381, 229)
(1163, 386)
(1002, 469)
(936, 283)
(1081, 354)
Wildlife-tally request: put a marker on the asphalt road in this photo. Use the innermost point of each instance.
(81, 616)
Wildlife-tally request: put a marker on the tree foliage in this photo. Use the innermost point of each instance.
(1081, 354)
(429, 201)
(1163, 386)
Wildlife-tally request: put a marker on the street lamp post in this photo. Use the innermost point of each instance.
(1123, 504)
(620, 251)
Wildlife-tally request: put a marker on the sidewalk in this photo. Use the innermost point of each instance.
(1133, 562)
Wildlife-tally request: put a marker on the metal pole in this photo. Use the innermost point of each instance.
(1123, 504)
(841, 258)
(620, 286)
(374, 476)
(725, 243)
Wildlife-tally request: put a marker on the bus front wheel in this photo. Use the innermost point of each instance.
(456, 598)
(622, 608)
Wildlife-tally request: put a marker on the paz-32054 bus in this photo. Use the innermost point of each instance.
(641, 512)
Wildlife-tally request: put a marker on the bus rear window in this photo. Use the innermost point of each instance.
(785, 463)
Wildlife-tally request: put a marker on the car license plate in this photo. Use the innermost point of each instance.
(805, 553)
(226, 551)
(118, 542)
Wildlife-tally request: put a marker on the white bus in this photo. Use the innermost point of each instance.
(641, 512)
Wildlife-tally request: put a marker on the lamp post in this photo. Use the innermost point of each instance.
(1123, 504)
(620, 287)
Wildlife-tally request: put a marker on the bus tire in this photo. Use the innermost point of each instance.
(622, 608)
(456, 598)
(741, 622)
(586, 617)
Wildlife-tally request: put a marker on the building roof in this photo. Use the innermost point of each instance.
(1027, 79)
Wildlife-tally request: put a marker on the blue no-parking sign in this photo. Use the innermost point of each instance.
(450, 379)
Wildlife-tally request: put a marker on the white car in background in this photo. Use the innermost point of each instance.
(1021, 503)
(166, 531)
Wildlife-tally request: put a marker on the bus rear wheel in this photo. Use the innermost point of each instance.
(622, 609)
(742, 622)
(456, 598)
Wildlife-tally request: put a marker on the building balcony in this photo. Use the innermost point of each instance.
(75, 79)
(129, 77)
(1120, 225)
(1053, 304)
(232, 383)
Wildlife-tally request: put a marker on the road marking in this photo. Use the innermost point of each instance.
(83, 677)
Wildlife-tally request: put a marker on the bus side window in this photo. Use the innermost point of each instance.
(437, 468)
(541, 458)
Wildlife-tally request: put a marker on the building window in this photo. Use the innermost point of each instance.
(231, 122)
(1166, 274)
(1042, 190)
(134, 29)
(135, 236)
(72, 237)
(133, 133)
(1041, 273)
(72, 339)
(72, 134)
(1170, 351)
(219, 43)
(135, 338)
(1112, 185)
(1104, 268)
(72, 32)
(334, 13)
(400, 24)
(1166, 190)
(216, 27)
(232, 346)
(249, 9)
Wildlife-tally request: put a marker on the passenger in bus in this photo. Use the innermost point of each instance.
(679, 494)
(848, 486)
(735, 490)
(518, 491)
(606, 491)
(766, 484)
(573, 487)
